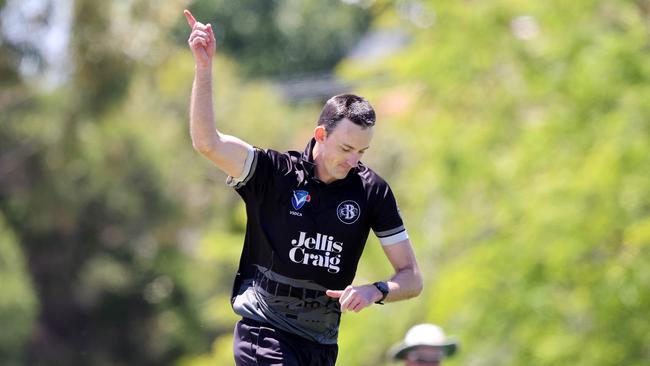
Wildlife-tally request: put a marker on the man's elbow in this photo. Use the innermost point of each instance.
(200, 147)
(414, 286)
(418, 284)
(204, 147)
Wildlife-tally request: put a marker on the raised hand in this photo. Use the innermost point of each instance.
(201, 41)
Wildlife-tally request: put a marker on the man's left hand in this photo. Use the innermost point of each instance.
(356, 298)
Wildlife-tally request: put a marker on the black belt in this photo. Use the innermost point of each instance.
(282, 289)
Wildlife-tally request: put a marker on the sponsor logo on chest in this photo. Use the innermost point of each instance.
(321, 250)
(298, 199)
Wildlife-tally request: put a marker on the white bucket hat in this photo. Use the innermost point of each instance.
(423, 335)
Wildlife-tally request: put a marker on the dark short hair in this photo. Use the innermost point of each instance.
(350, 106)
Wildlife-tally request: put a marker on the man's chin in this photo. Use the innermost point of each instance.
(342, 173)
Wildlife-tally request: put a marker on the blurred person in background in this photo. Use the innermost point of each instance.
(424, 344)
(309, 215)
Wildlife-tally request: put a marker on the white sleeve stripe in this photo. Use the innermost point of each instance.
(394, 239)
(248, 171)
(390, 232)
(251, 172)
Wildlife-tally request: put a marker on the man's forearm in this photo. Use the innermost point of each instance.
(405, 284)
(202, 123)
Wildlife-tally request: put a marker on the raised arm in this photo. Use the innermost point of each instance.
(225, 151)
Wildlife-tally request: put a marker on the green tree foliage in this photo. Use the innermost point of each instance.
(277, 38)
(110, 203)
(17, 300)
(514, 134)
(526, 185)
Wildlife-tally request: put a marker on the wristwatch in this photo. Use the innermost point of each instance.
(383, 287)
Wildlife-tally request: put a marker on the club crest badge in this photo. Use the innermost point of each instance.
(348, 212)
(299, 199)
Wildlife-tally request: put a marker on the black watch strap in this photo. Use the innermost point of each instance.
(383, 287)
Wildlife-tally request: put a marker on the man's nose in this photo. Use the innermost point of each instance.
(353, 160)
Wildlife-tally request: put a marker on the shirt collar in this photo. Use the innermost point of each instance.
(308, 157)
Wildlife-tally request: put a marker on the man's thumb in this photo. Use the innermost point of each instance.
(334, 293)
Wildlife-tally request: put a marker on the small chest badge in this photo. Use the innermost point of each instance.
(299, 199)
(348, 212)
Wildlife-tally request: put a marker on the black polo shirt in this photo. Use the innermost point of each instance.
(302, 229)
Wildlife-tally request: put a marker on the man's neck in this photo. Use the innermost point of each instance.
(319, 170)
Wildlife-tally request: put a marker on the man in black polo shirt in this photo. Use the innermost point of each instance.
(309, 215)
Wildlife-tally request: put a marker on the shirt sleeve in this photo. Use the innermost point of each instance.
(247, 172)
(387, 222)
(261, 169)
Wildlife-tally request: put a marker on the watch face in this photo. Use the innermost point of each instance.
(382, 286)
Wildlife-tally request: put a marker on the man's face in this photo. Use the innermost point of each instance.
(422, 356)
(341, 149)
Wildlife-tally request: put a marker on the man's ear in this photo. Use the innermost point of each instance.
(320, 133)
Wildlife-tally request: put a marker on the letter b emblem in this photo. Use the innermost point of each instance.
(348, 212)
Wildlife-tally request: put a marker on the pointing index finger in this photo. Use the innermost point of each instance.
(190, 18)
(334, 293)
